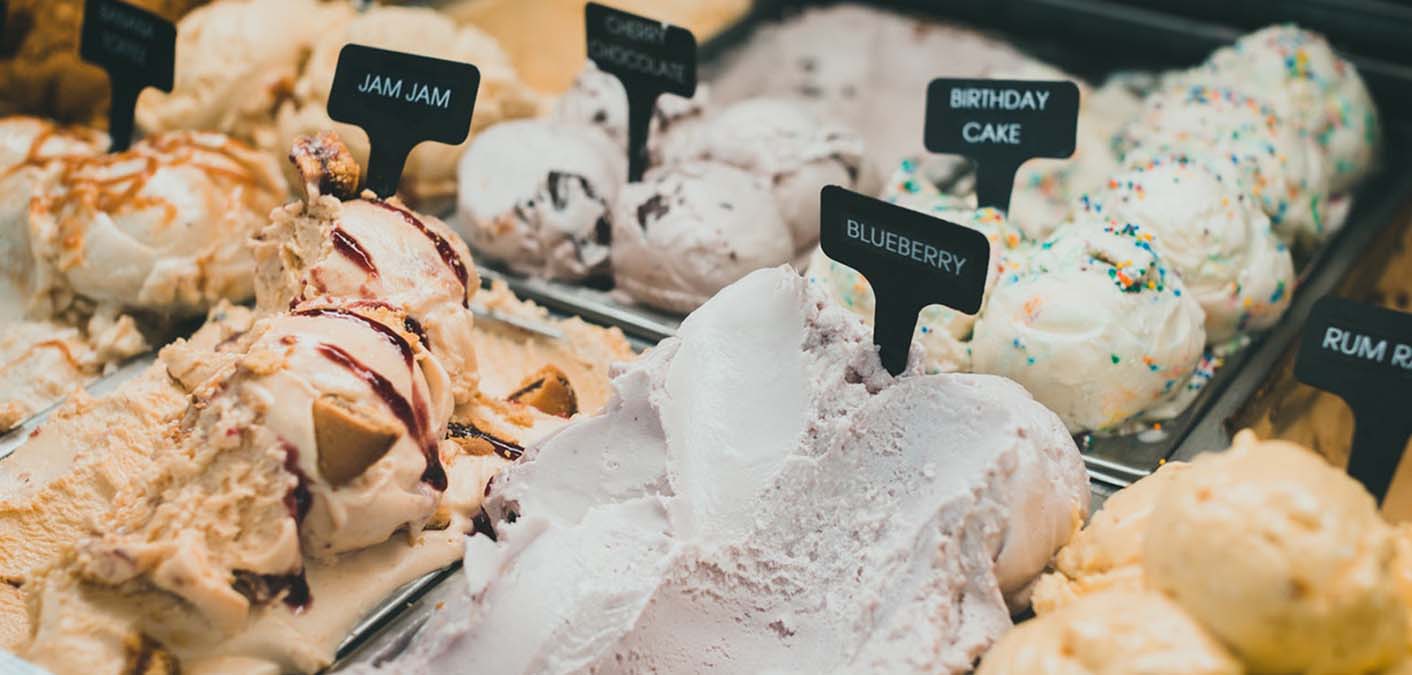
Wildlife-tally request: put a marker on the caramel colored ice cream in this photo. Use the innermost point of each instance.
(1280, 557)
(1111, 632)
(90, 242)
(57, 483)
(511, 357)
(161, 227)
(248, 499)
(237, 61)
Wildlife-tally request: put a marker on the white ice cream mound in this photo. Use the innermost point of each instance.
(538, 196)
(687, 231)
(761, 496)
(1095, 325)
(1211, 233)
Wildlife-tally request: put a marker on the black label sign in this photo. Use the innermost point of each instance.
(137, 48)
(1000, 124)
(1363, 353)
(909, 258)
(650, 58)
(401, 100)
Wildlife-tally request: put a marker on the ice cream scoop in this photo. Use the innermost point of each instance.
(1107, 554)
(236, 64)
(1211, 233)
(336, 246)
(1111, 632)
(793, 147)
(1271, 157)
(1312, 588)
(1299, 73)
(430, 171)
(160, 227)
(27, 146)
(538, 196)
(762, 496)
(1095, 324)
(687, 231)
(598, 99)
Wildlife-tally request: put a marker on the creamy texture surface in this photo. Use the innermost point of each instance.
(538, 196)
(764, 497)
(87, 238)
(1094, 324)
(1318, 584)
(796, 149)
(1211, 233)
(237, 61)
(242, 504)
(687, 231)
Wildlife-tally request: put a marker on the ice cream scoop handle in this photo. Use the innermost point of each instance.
(385, 162)
(894, 321)
(640, 106)
(995, 179)
(120, 112)
(1380, 434)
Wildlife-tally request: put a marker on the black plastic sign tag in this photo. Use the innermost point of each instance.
(910, 259)
(137, 48)
(999, 124)
(1363, 353)
(401, 100)
(651, 58)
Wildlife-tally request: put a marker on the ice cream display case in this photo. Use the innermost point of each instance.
(787, 48)
(642, 425)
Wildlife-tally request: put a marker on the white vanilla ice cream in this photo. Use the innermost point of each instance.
(538, 196)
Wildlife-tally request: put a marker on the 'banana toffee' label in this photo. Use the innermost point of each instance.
(136, 47)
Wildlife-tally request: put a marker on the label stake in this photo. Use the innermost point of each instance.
(137, 48)
(401, 100)
(999, 124)
(1363, 354)
(650, 58)
(910, 259)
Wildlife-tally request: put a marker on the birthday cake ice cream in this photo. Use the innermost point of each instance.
(1211, 233)
(762, 496)
(1095, 324)
(1297, 72)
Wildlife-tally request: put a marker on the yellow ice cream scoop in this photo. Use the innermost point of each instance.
(1117, 631)
(1282, 557)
